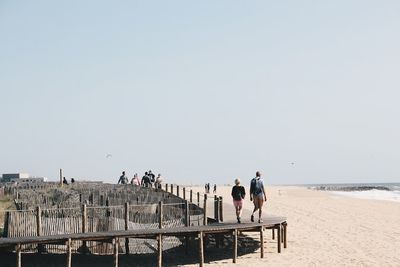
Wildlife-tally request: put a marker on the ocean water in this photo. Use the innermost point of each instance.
(377, 191)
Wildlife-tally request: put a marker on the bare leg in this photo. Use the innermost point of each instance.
(260, 203)
(255, 201)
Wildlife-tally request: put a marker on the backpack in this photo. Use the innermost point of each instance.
(256, 186)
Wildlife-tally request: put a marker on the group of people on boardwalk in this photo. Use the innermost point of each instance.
(207, 188)
(148, 180)
(257, 195)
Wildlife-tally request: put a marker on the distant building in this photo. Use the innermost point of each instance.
(28, 180)
(8, 177)
(21, 178)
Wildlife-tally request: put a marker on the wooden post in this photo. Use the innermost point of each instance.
(116, 244)
(187, 216)
(284, 234)
(191, 196)
(61, 178)
(201, 249)
(184, 193)
(160, 214)
(84, 226)
(262, 241)
(18, 252)
(84, 218)
(205, 210)
(126, 227)
(69, 252)
(38, 221)
(216, 208)
(198, 199)
(172, 189)
(279, 237)
(159, 260)
(177, 190)
(221, 210)
(40, 247)
(187, 223)
(166, 187)
(235, 245)
(273, 233)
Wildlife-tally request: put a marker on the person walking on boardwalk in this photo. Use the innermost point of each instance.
(215, 189)
(238, 194)
(152, 177)
(158, 181)
(135, 180)
(146, 180)
(257, 195)
(123, 179)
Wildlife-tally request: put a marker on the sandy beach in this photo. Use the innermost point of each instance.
(323, 229)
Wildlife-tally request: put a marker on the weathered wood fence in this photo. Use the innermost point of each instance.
(44, 222)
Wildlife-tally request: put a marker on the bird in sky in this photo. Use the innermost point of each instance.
(108, 156)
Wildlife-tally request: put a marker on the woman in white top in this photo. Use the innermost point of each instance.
(135, 180)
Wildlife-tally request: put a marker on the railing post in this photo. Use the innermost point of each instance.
(38, 221)
(69, 252)
(221, 209)
(216, 208)
(187, 223)
(116, 245)
(108, 212)
(126, 227)
(184, 193)
(191, 196)
(61, 178)
(198, 199)
(84, 247)
(177, 190)
(166, 187)
(40, 247)
(84, 218)
(172, 189)
(187, 216)
(91, 198)
(160, 214)
(205, 210)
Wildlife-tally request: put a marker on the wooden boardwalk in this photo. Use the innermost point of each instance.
(275, 223)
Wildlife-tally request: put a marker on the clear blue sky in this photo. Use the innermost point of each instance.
(201, 90)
